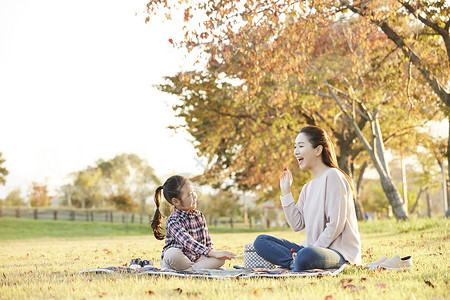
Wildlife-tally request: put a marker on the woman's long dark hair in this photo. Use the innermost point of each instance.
(171, 189)
(317, 136)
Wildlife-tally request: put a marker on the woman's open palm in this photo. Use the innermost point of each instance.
(286, 181)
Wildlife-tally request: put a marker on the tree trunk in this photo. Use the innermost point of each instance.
(444, 186)
(447, 213)
(144, 212)
(358, 204)
(376, 152)
(417, 201)
(404, 183)
(245, 209)
(360, 177)
(428, 205)
(394, 198)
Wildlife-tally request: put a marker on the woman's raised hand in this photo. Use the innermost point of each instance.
(286, 181)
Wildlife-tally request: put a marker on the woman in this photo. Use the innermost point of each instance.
(325, 210)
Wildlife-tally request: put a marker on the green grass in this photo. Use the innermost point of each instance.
(43, 268)
(14, 229)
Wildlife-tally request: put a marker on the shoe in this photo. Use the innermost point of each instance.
(146, 263)
(135, 263)
(397, 263)
(374, 265)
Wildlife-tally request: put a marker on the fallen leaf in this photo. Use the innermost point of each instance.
(149, 292)
(345, 280)
(353, 287)
(328, 297)
(373, 275)
(348, 286)
(178, 290)
(363, 278)
(256, 292)
(429, 283)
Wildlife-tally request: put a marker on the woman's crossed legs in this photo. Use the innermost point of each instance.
(278, 252)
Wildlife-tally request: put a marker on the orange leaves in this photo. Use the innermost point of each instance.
(187, 14)
(345, 284)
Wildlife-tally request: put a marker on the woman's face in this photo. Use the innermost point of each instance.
(304, 152)
(188, 201)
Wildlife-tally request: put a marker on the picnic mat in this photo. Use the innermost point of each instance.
(217, 274)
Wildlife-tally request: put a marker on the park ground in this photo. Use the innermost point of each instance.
(39, 260)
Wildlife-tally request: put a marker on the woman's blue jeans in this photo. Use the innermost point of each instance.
(278, 252)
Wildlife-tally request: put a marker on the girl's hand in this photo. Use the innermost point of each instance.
(286, 181)
(221, 254)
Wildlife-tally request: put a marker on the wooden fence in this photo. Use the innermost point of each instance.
(72, 215)
(113, 216)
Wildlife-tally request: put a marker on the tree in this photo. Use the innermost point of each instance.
(418, 29)
(87, 191)
(247, 137)
(14, 198)
(293, 29)
(125, 174)
(39, 196)
(217, 111)
(3, 171)
(124, 202)
(128, 174)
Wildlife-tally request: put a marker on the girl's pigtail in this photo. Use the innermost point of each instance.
(156, 222)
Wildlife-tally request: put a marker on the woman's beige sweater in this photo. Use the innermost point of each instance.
(326, 211)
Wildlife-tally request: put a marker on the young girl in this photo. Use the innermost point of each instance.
(325, 210)
(188, 244)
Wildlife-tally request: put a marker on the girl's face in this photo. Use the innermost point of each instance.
(188, 201)
(304, 152)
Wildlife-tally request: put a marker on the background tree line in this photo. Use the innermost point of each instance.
(123, 182)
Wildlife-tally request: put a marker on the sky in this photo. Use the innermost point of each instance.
(77, 85)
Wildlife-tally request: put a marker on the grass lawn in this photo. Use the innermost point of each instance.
(47, 267)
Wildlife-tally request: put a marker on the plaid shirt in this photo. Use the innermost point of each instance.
(188, 231)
